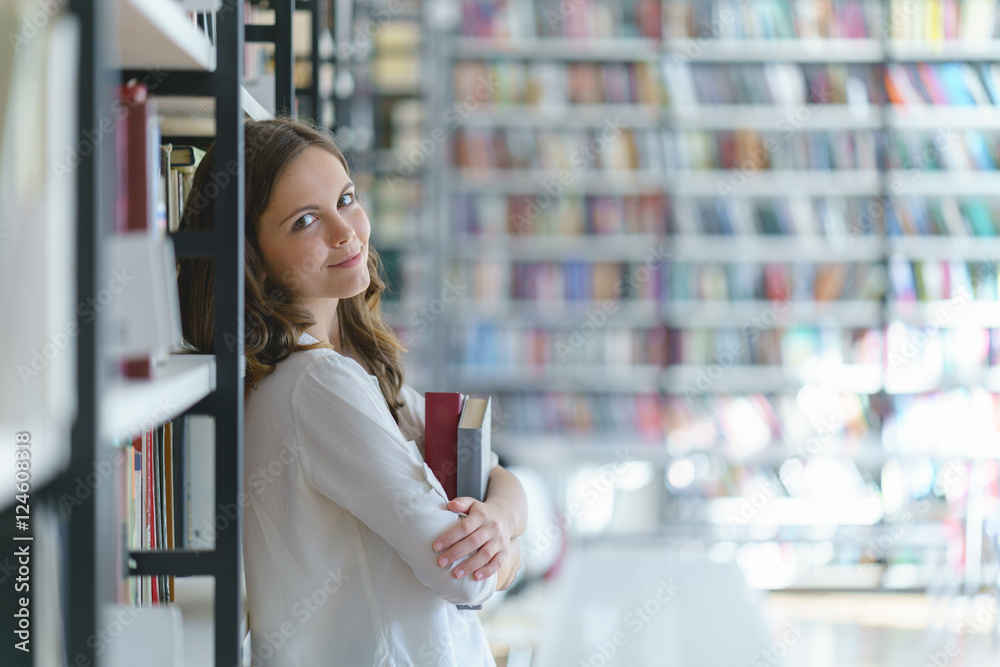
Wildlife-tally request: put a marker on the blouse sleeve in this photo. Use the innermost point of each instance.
(354, 454)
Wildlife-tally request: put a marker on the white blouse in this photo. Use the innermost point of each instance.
(339, 519)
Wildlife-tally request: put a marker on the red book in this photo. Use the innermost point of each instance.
(140, 135)
(150, 527)
(442, 411)
(137, 156)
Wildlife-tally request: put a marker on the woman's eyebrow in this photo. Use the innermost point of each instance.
(294, 215)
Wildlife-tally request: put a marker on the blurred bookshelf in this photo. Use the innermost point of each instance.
(392, 77)
(751, 246)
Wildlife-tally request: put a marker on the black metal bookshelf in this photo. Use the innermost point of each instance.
(89, 560)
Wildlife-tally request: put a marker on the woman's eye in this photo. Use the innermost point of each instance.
(347, 199)
(307, 220)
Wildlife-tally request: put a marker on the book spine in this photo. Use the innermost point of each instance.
(442, 412)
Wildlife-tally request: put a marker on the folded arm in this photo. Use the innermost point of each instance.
(353, 453)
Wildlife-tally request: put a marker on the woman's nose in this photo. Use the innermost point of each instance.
(341, 233)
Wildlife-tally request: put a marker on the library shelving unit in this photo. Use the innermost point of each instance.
(384, 118)
(315, 94)
(705, 235)
(196, 74)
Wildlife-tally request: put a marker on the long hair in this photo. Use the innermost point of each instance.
(273, 322)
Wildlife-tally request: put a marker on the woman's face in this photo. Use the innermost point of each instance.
(313, 236)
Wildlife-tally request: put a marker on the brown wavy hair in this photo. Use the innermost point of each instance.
(273, 322)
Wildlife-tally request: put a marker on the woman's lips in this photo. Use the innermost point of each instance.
(349, 262)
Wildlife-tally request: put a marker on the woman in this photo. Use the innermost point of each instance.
(353, 555)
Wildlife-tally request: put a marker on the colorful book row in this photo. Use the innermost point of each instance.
(579, 19)
(494, 346)
(492, 215)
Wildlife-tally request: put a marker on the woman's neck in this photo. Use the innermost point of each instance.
(327, 327)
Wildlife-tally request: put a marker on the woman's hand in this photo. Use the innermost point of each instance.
(509, 573)
(485, 532)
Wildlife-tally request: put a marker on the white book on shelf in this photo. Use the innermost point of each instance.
(979, 20)
(155, 633)
(974, 84)
(38, 223)
(200, 5)
(143, 306)
(199, 482)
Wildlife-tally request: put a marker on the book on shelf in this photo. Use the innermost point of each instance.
(943, 20)
(180, 164)
(784, 84)
(933, 21)
(571, 216)
(515, 20)
(594, 414)
(774, 20)
(953, 84)
(144, 308)
(698, 150)
(609, 148)
(550, 86)
(147, 518)
(138, 183)
(199, 476)
(500, 347)
(942, 280)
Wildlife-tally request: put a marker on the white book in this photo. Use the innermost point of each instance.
(474, 453)
(970, 77)
(474, 448)
(199, 482)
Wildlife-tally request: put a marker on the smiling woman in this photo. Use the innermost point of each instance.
(301, 208)
(353, 553)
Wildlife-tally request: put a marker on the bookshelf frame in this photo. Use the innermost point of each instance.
(208, 384)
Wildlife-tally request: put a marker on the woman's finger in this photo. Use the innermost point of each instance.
(491, 568)
(475, 562)
(462, 548)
